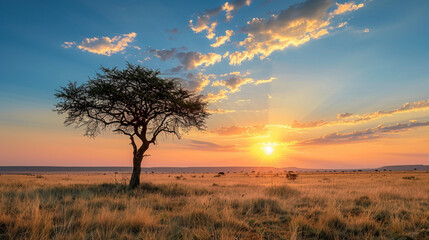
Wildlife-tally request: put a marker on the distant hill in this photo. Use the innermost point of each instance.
(48, 169)
(405, 168)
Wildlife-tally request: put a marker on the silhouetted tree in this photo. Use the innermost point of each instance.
(135, 102)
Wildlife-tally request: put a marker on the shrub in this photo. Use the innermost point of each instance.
(291, 175)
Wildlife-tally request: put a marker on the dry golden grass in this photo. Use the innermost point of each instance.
(235, 206)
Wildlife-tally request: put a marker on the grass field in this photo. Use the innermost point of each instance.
(383, 205)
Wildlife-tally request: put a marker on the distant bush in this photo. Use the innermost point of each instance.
(291, 175)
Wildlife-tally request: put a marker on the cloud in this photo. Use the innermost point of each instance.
(223, 39)
(344, 115)
(407, 107)
(234, 6)
(291, 27)
(366, 30)
(214, 97)
(346, 7)
(262, 81)
(349, 118)
(164, 54)
(203, 23)
(203, 20)
(312, 124)
(233, 82)
(188, 60)
(235, 130)
(362, 135)
(172, 31)
(220, 111)
(68, 44)
(195, 82)
(104, 45)
(342, 24)
(209, 146)
(191, 60)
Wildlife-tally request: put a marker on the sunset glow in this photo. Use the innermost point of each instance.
(307, 83)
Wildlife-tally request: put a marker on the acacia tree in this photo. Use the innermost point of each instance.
(135, 102)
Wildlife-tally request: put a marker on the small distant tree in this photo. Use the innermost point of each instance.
(291, 175)
(135, 102)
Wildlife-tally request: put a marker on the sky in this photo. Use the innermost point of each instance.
(290, 83)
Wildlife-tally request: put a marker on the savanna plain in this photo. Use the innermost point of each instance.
(355, 205)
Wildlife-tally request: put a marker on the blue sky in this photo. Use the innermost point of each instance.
(377, 61)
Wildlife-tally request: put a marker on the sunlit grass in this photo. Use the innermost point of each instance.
(201, 206)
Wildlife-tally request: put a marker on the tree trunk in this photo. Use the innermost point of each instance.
(135, 177)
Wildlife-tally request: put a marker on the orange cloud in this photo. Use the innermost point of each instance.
(209, 146)
(235, 5)
(342, 24)
(346, 7)
(235, 130)
(233, 82)
(104, 45)
(223, 39)
(219, 111)
(262, 81)
(214, 97)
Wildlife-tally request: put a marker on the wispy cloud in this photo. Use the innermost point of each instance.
(220, 111)
(362, 135)
(349, 118)
(236, 130)
(342, 24)
(209, 146)
(104, 45)
(262, 81)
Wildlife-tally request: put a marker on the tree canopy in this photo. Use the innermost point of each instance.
(135, 102)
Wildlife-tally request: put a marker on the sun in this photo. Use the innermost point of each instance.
(268, 150)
